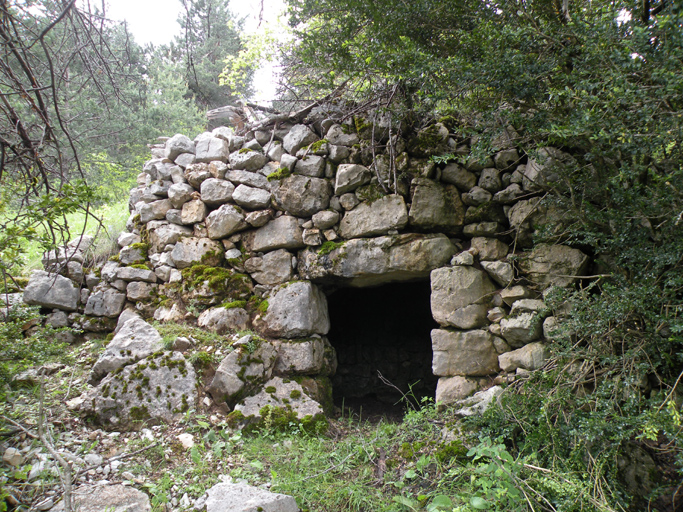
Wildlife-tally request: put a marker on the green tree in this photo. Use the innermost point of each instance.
(210, 33)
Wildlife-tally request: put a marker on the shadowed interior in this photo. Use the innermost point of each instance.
(383, 330)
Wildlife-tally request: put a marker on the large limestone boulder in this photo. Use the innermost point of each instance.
(377, 218)
(209, 149)
(167, 234)
(554, 265)
(296, 310)
(350, 177)
(451, 389)
(245, 498)
(299, 136)
(304, 356)
(225, 221)
(134, 341)
(251, 198)
(105, 302)
(215, 192)
(107, 498)
(51, 291)
(223, 320)
(460, 296)
(177, 145)
(243, 370)
(469, 353)
(373, 261)
(436, 207)
(530, 357)
(273, 268)
(302, 196)
(284, 399)
(281, 233)
(192, 251)
(156, 210)
(157, 389)
(247, 160)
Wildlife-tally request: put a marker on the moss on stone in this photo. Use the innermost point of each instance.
(280, 174)
(329, 246)
(295, 394)
(234, 304)
(317, 146)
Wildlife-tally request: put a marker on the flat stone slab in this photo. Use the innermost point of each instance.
(245, 498)
(373, 261)
(107, 498)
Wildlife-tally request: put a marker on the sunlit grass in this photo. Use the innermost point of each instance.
(112, 221)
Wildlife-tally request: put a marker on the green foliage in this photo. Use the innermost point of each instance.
(19, 350)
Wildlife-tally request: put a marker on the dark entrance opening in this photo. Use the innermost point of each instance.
(382, 334)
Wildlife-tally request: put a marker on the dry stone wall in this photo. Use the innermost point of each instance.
(238, 233)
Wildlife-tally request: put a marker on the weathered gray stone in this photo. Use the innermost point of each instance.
(51, 291)
(245, 498)
(134, 341)
(179, 194)
(136, 274)
(373, 261)
(479, 402)
(476, 196)
(464, 258)
(155, 210)
(183, 161)
(490, 180)
(302, 196)
(225, 221)
(248, 160)
(177, 145)
(325, 219)
(337, 135)
(299, 136)
(274, 150)
(221, 320)
(509, 195)
(107, 498)
(279, 394)
(489, 249)
(500, 271)
(554, 265)
(451, 389)
(295, 311)
(522, 329)
(310, 165)
(191, 251)
(469, 353)
(125, 239)
(302, 357)
(454, 290)
(108, 302)
(312, 236)
(139, 291)
(209, 149)
(259, 218)
(377, 218)
(551, 328)
(436, 207)
(527, 306)
(193, 212)
(167, 234)
(514, 293)
(251, 179)
(350, 177)
(242, 372)
(338, 153)
(160, 188)
(215, 192)
(506, 159)
(281, 233)
(196, 174)
(157, 389)
(251, 198)
(487, 229)
(273, 268)
(131, 255)
(530, 357)
(459, 176)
